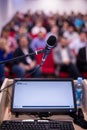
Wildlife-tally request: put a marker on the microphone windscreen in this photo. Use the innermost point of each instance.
(51, 41)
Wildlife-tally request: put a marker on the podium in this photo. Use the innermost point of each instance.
(5, 105)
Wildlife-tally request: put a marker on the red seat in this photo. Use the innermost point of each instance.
(26, 76)
(63, 75)
(84, 74)
(48, 66)
(38, 58)
(12, 34)
(6, 74)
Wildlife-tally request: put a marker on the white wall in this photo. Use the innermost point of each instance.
(3, 12)
(50, 5)
(9, 7)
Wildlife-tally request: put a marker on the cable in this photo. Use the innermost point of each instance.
(37, 68)
(6, 87)
(8, 94)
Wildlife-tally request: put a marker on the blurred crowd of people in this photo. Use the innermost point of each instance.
(27, 32)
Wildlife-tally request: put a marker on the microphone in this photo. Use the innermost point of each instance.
(51, 43)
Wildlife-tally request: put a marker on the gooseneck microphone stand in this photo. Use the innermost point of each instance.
(23, 56)
(20, 57)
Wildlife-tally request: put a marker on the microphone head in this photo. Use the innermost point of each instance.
(51, 41)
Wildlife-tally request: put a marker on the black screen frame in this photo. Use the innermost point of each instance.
(63, 111)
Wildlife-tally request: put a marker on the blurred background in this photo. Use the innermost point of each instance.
(24, 26)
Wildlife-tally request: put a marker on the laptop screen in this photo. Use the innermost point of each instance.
(43, 96)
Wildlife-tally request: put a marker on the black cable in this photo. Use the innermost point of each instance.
(6, 87)
(37, 68)
(8, 94)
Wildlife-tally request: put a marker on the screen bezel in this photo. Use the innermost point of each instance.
(64, 111)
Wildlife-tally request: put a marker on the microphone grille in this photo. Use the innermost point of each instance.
(51, 41)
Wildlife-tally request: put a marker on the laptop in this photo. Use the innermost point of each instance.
(43, 95)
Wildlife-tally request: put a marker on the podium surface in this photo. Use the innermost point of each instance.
(5, 103)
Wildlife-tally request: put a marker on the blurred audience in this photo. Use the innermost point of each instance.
(71, 34)
(79, 22)
(39, 42)
(11, 42)
(64, 58)
(64, 27)
(79, 43)
(24, 65)
(50, 24)
(26, 33)
(85, 21)
(5, 54)
(55, 31)
(22, 31)
(82, 59)
(36, 28)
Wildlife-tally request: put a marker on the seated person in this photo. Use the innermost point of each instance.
(39, 42)
(64, 27)
(79, 22)
(11, 42)
(79, 43)
(64, 59)
(5, 54)
(2, 74)
(36, 28)
(54, 31)
(22, 31)
(82, 59)
(71, 34)
(25, 65)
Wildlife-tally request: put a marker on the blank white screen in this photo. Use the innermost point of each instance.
(43, 94)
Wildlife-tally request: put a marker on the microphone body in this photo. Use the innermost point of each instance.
(51, 43)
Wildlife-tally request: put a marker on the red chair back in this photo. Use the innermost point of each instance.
(12, 34)
(49, 65)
